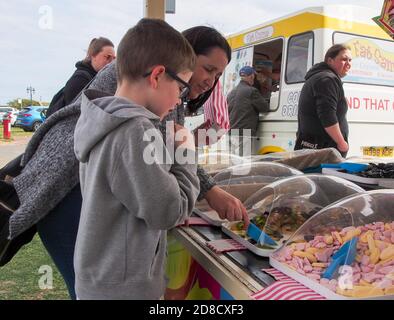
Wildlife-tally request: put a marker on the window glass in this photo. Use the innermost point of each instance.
(299, 57)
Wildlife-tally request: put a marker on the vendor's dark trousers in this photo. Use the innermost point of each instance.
(58, 232)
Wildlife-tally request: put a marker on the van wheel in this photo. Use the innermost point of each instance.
(36, 125)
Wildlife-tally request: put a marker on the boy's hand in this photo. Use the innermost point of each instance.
(204, 126)
(226, 205)
(183, 137)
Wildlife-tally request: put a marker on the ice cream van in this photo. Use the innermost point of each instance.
(292, 44)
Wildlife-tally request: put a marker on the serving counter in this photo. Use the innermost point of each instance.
(196, 272)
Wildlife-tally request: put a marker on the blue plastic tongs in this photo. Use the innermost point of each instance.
(348, 166)
(259, 236)
(344, 256)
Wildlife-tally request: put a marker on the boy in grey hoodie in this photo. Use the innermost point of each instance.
(131, 197)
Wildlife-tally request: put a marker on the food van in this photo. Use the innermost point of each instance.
(291, 45)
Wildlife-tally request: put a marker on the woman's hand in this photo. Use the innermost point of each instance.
(227, 206)
(343, 147)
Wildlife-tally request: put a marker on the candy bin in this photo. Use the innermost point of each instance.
(242, 181)
(281, 207)
(346, 250)
(257, 172)
(213, 162)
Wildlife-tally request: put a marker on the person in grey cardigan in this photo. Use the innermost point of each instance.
(51, 168)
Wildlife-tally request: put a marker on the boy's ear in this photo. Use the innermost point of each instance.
(156, 73)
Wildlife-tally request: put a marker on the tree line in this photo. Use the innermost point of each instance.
(25, 102)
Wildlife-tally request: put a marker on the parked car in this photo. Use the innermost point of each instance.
(30, 118)
(8, 112)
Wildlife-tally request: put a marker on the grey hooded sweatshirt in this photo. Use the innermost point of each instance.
(128, 205)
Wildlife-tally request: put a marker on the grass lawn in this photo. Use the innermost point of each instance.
(15, 133)
(20, 278)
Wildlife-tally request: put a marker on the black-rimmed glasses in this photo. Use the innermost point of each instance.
(185, 90)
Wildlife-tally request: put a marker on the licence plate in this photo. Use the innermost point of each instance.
(378, 151)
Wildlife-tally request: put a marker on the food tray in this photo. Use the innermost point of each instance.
(240, 191)
(226, 228)
(211, 216)
(325, 292)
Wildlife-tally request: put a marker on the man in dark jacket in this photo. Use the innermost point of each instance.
(322, 106)
(245, 103)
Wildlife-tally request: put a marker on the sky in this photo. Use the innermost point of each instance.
(41, 40)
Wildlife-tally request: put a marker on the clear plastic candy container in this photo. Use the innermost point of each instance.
(242, 181)
(254, 172)
(346, 250)
(281, 207)
(213, 162)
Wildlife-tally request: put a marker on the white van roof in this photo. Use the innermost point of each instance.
(348, 13)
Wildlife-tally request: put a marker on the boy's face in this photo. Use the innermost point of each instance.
(208, 68)
(168, 92)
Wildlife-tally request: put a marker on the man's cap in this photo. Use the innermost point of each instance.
(246, 71)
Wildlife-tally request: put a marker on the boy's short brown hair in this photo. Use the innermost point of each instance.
(149, 43)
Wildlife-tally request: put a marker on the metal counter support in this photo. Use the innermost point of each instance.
(233, 279)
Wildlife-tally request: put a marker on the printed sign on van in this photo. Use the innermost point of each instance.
(370, 63)
(290, 109)
(259, 35)
(369, 106)
(240, 58)
(373, 60)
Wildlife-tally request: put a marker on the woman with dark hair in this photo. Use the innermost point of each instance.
(100, 52)
(322, 105)
(57, 203)
(213, 54)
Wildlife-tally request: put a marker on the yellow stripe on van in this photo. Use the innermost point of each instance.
(306, 22)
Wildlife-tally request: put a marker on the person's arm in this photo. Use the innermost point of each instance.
(177, 116)
(273, 75)
(335, 133)
(258, 102)
(74, 86)
(206, 182)
(327, 93)
(161, 194)
(222, 202)
(226, 205)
